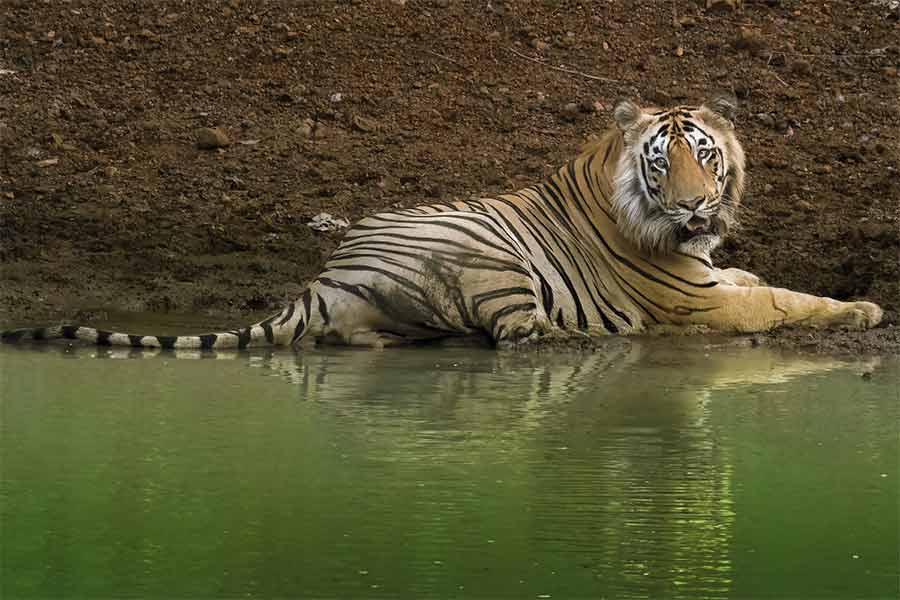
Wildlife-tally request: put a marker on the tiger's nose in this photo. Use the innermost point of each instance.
(691, 204)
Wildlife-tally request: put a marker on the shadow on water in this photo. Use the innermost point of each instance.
(644, 469)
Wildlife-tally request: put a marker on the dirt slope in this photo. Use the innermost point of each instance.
(107, 203)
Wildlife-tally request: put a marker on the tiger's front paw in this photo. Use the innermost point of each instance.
(739, 277)
(862, 315)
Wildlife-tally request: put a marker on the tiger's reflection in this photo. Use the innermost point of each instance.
(627, 442)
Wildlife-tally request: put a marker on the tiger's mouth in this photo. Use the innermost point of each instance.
(699, 225)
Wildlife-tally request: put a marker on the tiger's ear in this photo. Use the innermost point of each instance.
(626, 114)
(725, 105)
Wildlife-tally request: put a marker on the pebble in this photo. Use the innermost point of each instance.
(211, 138)
(822, 169)
(570, 111)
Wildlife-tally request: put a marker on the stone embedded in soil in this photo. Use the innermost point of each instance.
(210, 138)
(766, 119)
(307, 128)
(721, 7)
(749, 40)
(363, 124)
(569, 112)
(801, 67)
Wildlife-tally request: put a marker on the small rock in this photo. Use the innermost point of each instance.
(805, 206)
(801, 67)
(679, 51)
(782, 125)
(767, 189)
(766, 119)
(211, 138)
(569, 111)
(280, 53)
(6, 135)
(49, 162)
(890, 72)
(539, 45)
(325, 222)
(721, 7)
(307, 128)
(822, 169)
(336, 97)
(749, 40)
(687, 21)
(110, 171)
(363, 124)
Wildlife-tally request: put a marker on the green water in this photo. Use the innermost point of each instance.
(641, 471)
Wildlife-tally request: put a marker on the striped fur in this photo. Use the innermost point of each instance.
(616, 241)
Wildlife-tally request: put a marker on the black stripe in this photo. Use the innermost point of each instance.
(299, 330)
(560, 322)
(166, 342)
(323, 310)
(103, 338)
(546, 291)
(478, 299)
(478, 238)
(508, 310)
(243, 338)
(459, 259)
(307, 303)
(208, 341)
(135, 341)
(267, 330)
(288, 315)
(69, 332)
(551, 258)
(39, 334)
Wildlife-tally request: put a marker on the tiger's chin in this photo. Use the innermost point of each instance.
(700, 245)
(700, 237)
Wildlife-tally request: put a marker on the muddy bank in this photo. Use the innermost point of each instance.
(108, 204)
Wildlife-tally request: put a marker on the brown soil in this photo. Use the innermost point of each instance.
(107, 203)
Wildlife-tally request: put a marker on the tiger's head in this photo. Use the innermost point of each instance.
(680, 177)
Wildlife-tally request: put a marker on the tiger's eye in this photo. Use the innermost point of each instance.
(661, 163)
(702, 154)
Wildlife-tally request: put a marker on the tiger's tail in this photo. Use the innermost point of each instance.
(284, 328)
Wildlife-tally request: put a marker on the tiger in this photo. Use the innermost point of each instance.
(616, 241)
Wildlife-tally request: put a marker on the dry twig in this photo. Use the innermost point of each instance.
(448, 59)
(563, 69)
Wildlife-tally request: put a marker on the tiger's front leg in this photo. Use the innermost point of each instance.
(751, 309)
